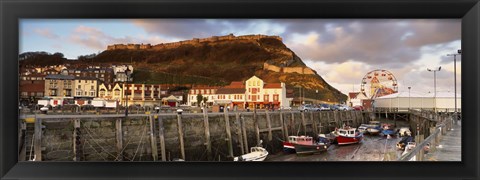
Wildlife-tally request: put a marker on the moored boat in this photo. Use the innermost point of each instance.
(289, 145)
(404, 142)
(362, 128)
(320, 145)
(388, 130)
(256, 154)
(348, 135)
(373, 127)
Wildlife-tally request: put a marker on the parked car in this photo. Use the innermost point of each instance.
(308, 107)
(285, 108)
(325, 107)
(358, 108)
(334, 107)
(344, 107)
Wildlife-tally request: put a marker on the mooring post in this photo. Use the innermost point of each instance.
(153, 139)
(38, 140)
(304, 124)
(162, 138)
(22, 147)
(244, 132)
(229, 135)
(77, 141)
(269, 126)
(257, 130)
(314, 123)
(207, 134)
(180, 135)
(239, 132)
(119, 139)
(292, 123)
(284, 128)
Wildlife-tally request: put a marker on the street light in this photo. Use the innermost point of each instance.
(316, 91)
(409, 106)
(127, 71)
(459, 52)
(434, 86)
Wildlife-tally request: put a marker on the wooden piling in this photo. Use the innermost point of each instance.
(269, 125)
(244, 132)
(119, 139)
(304, 124)
(153, 139)
(38, 140)
(239, 132)
(76, 140)
(284, 128)
(162, 138)
(229, 135)
(206, 125)
(180, 135)
(22, 147)
(257, 130)
(315, 127)
(292, 123)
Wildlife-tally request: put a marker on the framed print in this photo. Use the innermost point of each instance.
(239, 90)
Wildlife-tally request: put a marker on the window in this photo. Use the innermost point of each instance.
(39, 94)
(24, 94)
(265, 97)
(275, 97)
(249, 83)
(91, 87)
(85, 81)
(79, 86)
(92, 93)
(258, 83)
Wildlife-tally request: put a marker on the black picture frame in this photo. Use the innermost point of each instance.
(12, 11)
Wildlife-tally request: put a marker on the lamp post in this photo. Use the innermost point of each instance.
(127, 71)
(409, 106)
(316, 91)
(459, 52)
(435, 86)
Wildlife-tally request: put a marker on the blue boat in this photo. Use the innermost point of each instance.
(388, 132)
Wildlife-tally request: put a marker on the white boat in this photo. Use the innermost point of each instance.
(409, 147)
(256, 154)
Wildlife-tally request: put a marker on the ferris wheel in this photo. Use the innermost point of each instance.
(378, 83)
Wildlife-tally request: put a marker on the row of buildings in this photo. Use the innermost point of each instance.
(72, 86)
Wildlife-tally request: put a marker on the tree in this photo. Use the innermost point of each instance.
(205, 99)
(199, 99)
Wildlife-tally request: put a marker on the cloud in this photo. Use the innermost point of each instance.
(386, 42)
(94, 38)
(45, 32)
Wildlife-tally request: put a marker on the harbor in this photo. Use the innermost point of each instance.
(214, 136)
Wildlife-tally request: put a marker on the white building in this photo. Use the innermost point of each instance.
(356, 98)
(444, 101)
(208, 92)
(265, 95)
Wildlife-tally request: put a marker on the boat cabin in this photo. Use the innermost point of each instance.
(306, 140)
(349, 132)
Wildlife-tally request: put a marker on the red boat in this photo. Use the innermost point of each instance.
(289, 145)
(348, 135)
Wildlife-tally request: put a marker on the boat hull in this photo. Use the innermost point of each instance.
(373, 131)
(288, 147)
(344, 140)
(310, 149)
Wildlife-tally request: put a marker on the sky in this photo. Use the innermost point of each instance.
(342, 51)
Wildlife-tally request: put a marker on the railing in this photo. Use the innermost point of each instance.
(444, 122)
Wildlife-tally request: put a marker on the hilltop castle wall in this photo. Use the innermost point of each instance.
(299, 70)
(194, 41)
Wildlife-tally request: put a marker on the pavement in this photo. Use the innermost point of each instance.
(450, 147)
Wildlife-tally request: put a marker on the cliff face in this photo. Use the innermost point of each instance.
(219, 59)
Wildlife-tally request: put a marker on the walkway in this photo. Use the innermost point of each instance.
(450, 148)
